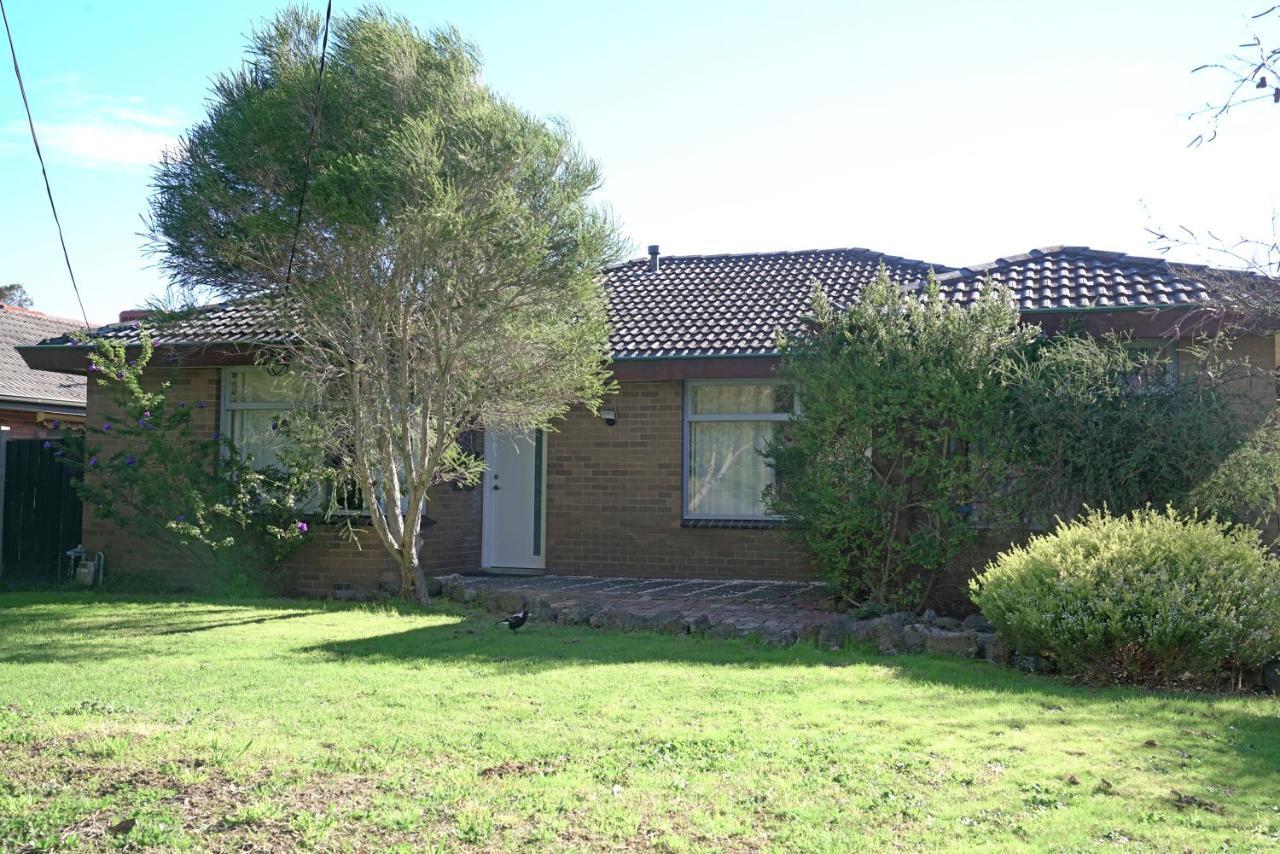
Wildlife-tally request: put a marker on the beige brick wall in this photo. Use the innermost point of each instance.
(614, 500)
(1255, 364)
(451, 545)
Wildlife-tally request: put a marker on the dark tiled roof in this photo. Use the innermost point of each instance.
(1076, 277)
(732, 305)
(224, 323)
(19, 326)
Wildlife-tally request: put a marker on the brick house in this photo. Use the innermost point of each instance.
(664, 482)
(35, 404)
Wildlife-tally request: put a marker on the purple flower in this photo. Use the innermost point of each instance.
(199, 404)
(147, 414)
(55, 423)
(179, 518)
(93, 462)
(93, 369)
(130, 460)
(47, 444)
(106, 426)
(216, 435)
(182, 404)
(302, 527)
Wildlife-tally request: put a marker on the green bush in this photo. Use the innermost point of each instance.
(1152, 597)
(880, 476)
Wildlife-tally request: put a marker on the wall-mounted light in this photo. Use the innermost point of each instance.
(610, 416)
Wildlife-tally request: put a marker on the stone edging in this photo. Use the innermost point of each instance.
(892, 634)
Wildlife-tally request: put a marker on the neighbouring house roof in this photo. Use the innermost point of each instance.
(22, 385)
(706, 306)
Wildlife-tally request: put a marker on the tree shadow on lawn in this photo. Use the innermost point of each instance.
(67, 627)
(1239, 747)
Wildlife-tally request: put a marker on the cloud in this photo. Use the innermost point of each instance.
(97, 131)
(98, 143)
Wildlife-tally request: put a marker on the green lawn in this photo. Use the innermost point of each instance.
(216, 724)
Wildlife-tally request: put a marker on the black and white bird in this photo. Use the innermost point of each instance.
(515, 621)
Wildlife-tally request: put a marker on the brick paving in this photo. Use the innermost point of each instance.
(748, 606)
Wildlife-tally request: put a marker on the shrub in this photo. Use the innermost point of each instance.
(878, 476)
(1095, 421)
(1152, 597)
(192, 497)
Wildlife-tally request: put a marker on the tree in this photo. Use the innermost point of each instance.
(897, 446)
(1251, 78)
(15, 294)
(434, 254)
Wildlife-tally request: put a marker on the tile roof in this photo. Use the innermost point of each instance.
(1074, 278)
(19, 326)
(731, 305)
(223, 323)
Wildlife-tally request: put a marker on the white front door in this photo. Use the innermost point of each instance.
(514, 493)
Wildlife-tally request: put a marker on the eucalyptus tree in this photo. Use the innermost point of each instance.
(426, 255)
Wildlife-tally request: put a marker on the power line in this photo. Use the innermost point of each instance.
(311, 142)
(40, 156)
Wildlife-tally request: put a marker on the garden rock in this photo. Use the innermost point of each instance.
(670, 623)
(724, 631)
(950, 624)
(543, 611)
(889, 637)
(958, 644)
(913, 638)
(778, 637)
(508, 602)
(834, 633)
(579, 615)
(434, 587)
(601, 619)
(978, 623)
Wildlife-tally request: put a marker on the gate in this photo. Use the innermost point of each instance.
(42, 512)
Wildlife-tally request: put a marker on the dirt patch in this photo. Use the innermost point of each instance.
(517, 768)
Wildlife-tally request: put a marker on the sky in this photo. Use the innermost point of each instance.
(955, 133)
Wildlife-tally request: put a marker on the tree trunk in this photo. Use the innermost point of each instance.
(412, 575)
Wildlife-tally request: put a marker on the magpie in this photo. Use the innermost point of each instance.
(515, 621)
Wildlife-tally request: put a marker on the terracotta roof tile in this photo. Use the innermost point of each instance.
(21, 326)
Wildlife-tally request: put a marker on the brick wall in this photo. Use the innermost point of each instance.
(450, 545)
(614, 500)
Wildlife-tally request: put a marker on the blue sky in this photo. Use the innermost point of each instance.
(952, 132)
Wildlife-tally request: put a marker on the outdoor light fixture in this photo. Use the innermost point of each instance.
(610, 416)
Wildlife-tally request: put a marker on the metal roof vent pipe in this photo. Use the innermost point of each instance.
(653, 258)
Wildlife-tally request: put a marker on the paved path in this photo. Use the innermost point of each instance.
(754, 606)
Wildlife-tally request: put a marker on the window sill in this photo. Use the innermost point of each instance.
(745, 524)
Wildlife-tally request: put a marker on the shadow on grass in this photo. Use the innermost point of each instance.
(1236, 738)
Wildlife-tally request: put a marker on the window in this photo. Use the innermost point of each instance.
(1158, 363)
(255, 405)
(727, 424)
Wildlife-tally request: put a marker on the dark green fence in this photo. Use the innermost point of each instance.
(42, 512)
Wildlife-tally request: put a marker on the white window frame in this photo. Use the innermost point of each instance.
(228, 406)
(690, 417)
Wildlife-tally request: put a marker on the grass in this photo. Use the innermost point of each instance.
(137, 722)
